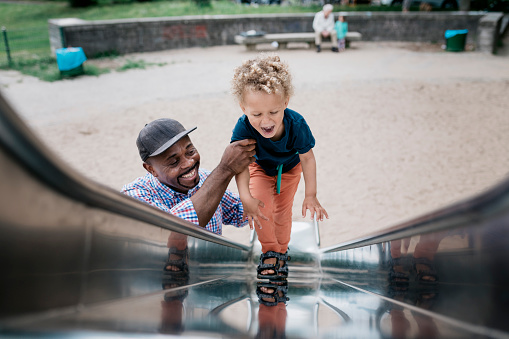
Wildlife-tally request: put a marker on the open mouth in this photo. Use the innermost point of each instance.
(267, 130)
(191, 174)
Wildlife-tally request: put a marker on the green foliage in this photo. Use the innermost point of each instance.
(142, 64)
(130, 64)
(82, 3)
(106, 54)
(31, 42)
(46, 69)
(43, 68)
(203, 3)
(94, 70)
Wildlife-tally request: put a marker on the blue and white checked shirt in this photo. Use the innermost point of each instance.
(151, 191)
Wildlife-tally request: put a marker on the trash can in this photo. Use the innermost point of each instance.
(70, 61)
(455, 40)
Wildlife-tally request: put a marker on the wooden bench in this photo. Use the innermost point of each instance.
(284, 38)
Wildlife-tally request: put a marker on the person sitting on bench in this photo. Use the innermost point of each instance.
(323, 25)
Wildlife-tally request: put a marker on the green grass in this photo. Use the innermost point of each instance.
(142, 64)
(46, 68)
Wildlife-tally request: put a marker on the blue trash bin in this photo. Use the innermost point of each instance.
(70, 60)
(455, 40)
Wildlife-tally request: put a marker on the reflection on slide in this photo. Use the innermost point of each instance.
(80, 259)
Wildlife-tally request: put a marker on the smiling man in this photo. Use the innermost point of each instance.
(176, 184)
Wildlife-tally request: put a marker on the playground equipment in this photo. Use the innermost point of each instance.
(81, 260)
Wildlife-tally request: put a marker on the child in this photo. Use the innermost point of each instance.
(283, 151)
(341, 28)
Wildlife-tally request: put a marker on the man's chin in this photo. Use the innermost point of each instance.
(188, 184)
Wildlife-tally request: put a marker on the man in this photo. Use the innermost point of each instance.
(175, 184)
(323, 25)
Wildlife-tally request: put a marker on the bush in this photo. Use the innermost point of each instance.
(202, 3)
(82, 3)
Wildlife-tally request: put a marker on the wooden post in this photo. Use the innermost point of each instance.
(6, 42)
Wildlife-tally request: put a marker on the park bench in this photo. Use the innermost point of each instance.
(284, 38)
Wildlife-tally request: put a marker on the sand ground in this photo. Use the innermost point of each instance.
(401, 128)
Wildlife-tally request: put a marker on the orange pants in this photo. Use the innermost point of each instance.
(275, 232)
(272, 321)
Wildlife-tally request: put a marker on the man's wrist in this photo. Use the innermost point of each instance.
(225, 172)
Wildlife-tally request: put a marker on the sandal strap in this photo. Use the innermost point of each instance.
(284, 256)
(268, 267)
(269, 254)
(174, 250)
(274, 295)
(277, 299)
(283, 269)
(423, 261)
(264, 266)
(180, 263)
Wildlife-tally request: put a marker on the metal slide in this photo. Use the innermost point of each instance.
(81, 260)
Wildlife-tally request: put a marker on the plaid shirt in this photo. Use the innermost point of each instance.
(151, 191)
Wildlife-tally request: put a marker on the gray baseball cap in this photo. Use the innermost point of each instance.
(159, 135)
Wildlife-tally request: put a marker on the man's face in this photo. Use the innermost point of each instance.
(177, 167)
(326, 13)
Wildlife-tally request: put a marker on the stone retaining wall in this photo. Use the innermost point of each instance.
(154, 34)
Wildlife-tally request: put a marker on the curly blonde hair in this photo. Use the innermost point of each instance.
(266, 73)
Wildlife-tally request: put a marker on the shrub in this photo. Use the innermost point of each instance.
(82, 3)
(202, 3)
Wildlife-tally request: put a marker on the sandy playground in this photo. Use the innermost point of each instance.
(401, 128)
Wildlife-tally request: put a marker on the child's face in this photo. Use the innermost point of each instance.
(265, 112)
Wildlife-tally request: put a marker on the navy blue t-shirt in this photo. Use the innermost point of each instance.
(297, 139)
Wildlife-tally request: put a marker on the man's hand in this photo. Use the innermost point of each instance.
(238, 155)
(325, 33)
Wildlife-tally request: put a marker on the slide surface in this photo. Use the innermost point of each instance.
(81, 260)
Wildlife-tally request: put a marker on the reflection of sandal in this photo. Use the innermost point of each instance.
(398, 274)
(426, 299)
(262, 266)
(173, 279)
(278, 294)
(180, 264)
(179, 295)
(427, 272)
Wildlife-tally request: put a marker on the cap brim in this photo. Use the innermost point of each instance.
(171, 142)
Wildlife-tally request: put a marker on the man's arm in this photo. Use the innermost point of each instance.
(236, 157)
(317, 22)
(329, 23)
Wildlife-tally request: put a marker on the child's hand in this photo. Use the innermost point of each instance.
(253, 212)
(312, 204)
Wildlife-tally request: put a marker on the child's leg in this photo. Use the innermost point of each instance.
(342, 43)
(263, 188)
(283, 206)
